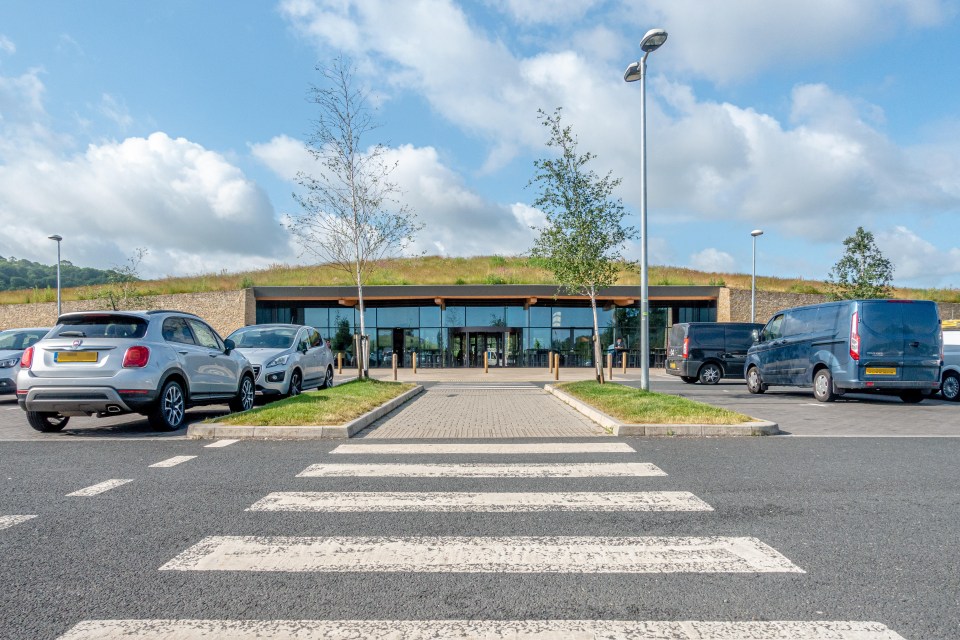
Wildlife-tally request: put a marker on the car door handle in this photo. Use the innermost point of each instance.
(915, 344)
(183, 353)
(213, 355)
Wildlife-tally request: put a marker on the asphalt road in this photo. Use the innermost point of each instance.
(871, 522)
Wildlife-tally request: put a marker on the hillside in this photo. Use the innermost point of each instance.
(437, 270)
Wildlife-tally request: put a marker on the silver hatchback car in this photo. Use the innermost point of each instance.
(156, 363)
(286, 358)
(13, 342)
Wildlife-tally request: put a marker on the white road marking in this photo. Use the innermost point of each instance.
(172, 462)
(9, 521)
(472, 629)
(572, 470)
(483, 555)
(220, 443)
(479, 502)
(98, 488)
(525, 448)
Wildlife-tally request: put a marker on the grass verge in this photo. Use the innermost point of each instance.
(635, 406)
(335, 406)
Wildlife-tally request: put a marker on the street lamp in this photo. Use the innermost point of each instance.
(57, 239)
(651, 41)
(753, 280)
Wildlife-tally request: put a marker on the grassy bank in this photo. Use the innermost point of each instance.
(335, 406)
(634, 406)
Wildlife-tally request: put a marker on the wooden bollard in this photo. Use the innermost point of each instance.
(414, 362)
(550, 361)
(624, 363)
(556, 366)
(339, 362)
(394, 367)
(610, 366)
(486, 362)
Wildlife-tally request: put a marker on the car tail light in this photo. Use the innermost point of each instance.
(27, 358)
(136, 357)
(855, 336)
(686, 348)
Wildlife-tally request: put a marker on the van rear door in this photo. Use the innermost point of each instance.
(899, 340)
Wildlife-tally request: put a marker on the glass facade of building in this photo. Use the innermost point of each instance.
(458, 335)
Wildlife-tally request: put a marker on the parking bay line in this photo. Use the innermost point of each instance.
(534, 470)
(491, 448)
(220, 443)
(522, 554)
(9, 521)
(485, 502)
(468, 629)
(98, 488)
(172, 462)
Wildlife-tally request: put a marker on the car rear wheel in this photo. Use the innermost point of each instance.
(169, 411)
(710, 374)
(823, 386)
(47, 421)
(912, 397)
(689, 379)
(296, 383)
(327, 379)
(754, 383)
(951, 386)
(243, 401)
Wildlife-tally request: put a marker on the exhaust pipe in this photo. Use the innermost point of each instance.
(113, 409)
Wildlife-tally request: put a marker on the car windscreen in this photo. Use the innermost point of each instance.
(100, 325)
(263, 338)
(19, 339)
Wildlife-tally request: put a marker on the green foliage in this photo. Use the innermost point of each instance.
(342, 339)
(17, 274)
(804, 287)
(498, 261)
(718, 282)
(122, 292)
(862, 272)
(246, 282)
(494, 279)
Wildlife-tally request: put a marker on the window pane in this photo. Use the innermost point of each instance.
(516, 317)
(485, 317)
(313, 317)
(539, 316)
(454, 317)
(430, 316)
(398, 317)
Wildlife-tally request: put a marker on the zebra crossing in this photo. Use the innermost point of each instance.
(461, 554)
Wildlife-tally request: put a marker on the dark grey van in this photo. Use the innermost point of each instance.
(708, 351)
(884, 346)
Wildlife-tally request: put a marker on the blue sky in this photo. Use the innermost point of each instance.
(178, 126)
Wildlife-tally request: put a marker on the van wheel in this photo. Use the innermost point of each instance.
(951, 386)
(710, 374)
(689, 379)
(754, 383)
(912, 397)
(823, 386)
(47, 421)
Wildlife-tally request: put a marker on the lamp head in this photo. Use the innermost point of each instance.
(653, 40)
(55, 237)
(633, 72)
(756, 232)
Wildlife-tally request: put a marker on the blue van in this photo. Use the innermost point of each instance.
(886, 346)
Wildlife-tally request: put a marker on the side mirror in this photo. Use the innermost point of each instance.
(229, 345)
(756, 335)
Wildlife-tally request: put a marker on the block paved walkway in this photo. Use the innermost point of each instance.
(483, 410)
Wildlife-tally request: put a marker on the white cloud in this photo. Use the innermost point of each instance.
(285, 156)
(545, 11)
(6, 45)
(916, 260)
(116, 111)
(713, 260)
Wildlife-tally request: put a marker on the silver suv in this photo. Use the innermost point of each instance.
(286, 358)
(156, 363)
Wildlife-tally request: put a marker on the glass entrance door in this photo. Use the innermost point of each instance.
(489, 343)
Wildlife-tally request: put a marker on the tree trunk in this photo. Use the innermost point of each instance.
(597, 364)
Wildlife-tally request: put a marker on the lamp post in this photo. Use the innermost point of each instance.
(57, 239)
(651, 41)
(753, 280)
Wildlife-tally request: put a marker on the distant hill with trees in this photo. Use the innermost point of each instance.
(18, 274)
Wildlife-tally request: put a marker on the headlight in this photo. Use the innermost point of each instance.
(9, 362)
(276, 362)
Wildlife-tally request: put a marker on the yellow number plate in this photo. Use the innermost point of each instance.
(75, 356)
(881, 371)
(673, 365)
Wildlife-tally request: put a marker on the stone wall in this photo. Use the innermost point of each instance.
(224, 310)
(733, 305)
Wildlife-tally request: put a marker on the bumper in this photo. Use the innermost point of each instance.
(678, 367)
(887, 385)
(84, 400)
(7, 386)
(272, 382)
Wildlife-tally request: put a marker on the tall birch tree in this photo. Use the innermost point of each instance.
(351, 214)
(583, 238)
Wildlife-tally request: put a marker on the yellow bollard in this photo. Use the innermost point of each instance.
(414, 362)
(610, 366)
(624, 363)
(394, 367)
(339, 362)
